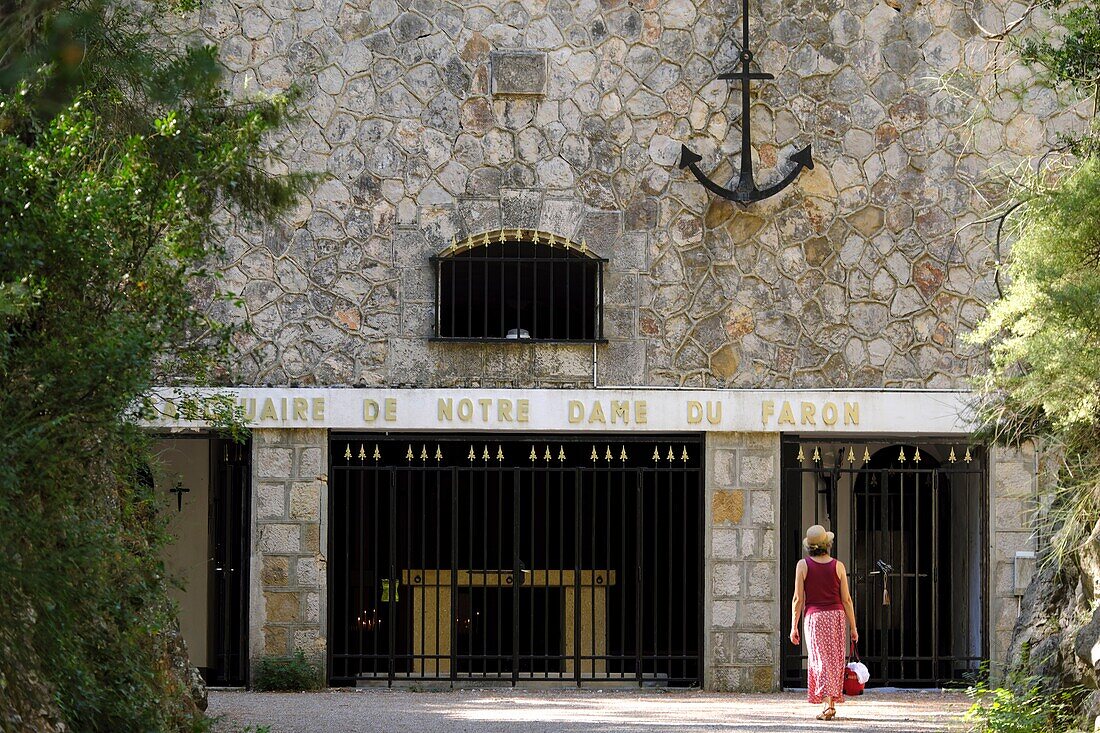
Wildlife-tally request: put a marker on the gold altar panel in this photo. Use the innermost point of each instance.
(431, 598)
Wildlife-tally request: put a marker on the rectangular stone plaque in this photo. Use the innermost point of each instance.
(518, 72)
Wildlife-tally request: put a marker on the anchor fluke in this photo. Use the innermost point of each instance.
(803, 158)
(746, 191)
(688, 157)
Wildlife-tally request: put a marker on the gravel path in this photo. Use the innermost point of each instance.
(573, 711)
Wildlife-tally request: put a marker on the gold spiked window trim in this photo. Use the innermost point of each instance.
(521, 285)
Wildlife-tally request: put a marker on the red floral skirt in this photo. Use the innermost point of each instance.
(825, 649)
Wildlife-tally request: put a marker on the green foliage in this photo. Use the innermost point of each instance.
(1073, 56)
(294, 674)
(1043, 384)
(1027, 705)
(111, 169)
(1044, 336)
(1069, 56)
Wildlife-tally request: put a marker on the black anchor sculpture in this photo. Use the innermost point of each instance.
(746, 190)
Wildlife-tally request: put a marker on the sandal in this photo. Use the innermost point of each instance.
(827, 714)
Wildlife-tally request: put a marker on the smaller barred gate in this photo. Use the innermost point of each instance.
(552, 558)
(912, 527)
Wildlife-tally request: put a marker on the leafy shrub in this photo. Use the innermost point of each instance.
(117, 146)
(276, 674)
(1026, 706)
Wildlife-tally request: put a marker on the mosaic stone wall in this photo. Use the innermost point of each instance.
(431, 125)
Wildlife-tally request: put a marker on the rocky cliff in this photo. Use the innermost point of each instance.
(1057, 636)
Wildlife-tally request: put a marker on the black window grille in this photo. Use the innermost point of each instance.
(521, 289)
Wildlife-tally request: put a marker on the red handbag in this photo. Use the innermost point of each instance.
(852, 685)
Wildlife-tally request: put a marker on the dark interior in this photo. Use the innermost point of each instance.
(917, 533)
(633, 525)
(551, 294)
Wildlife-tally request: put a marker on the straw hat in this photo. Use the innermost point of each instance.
(816, 536)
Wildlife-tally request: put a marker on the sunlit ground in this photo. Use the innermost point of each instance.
(508, 711)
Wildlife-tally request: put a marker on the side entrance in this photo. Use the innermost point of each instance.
(480, 557)
(912, 521)
(205, 484)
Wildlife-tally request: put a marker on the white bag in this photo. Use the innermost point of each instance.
(861, 671)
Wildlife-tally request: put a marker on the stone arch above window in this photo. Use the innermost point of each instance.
(519, 285)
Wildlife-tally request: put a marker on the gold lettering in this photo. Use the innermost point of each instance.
(170, 409)
(695, 412)
(829, 413)
(249, 406)
(596, 415)
(446, 408)
(370, 410)
(714, 416)
(283, 401)
(640, 416)
(268, 413)
(620, 411)
(465, 410)
(391, 408)
(808, 411)
(576, 411)
(767, 409)
(786, 414)
(301, 405)
(319, 408)
(485, 405)
(504, 410)
(851, 413)
(523, 410)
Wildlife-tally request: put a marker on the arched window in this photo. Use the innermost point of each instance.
(521, 285)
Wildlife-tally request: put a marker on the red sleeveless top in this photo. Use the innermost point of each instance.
(822, 587)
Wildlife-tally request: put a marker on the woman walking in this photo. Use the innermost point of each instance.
(821, 589)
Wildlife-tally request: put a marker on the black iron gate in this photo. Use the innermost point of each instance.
(911, 522)
(544, 559)
(230, 552)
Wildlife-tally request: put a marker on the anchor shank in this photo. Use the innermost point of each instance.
(746, 186)
(745, 182)
(745, 27)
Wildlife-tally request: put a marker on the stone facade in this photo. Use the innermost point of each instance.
(741, 612)
(289, 476)
(435, 119)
